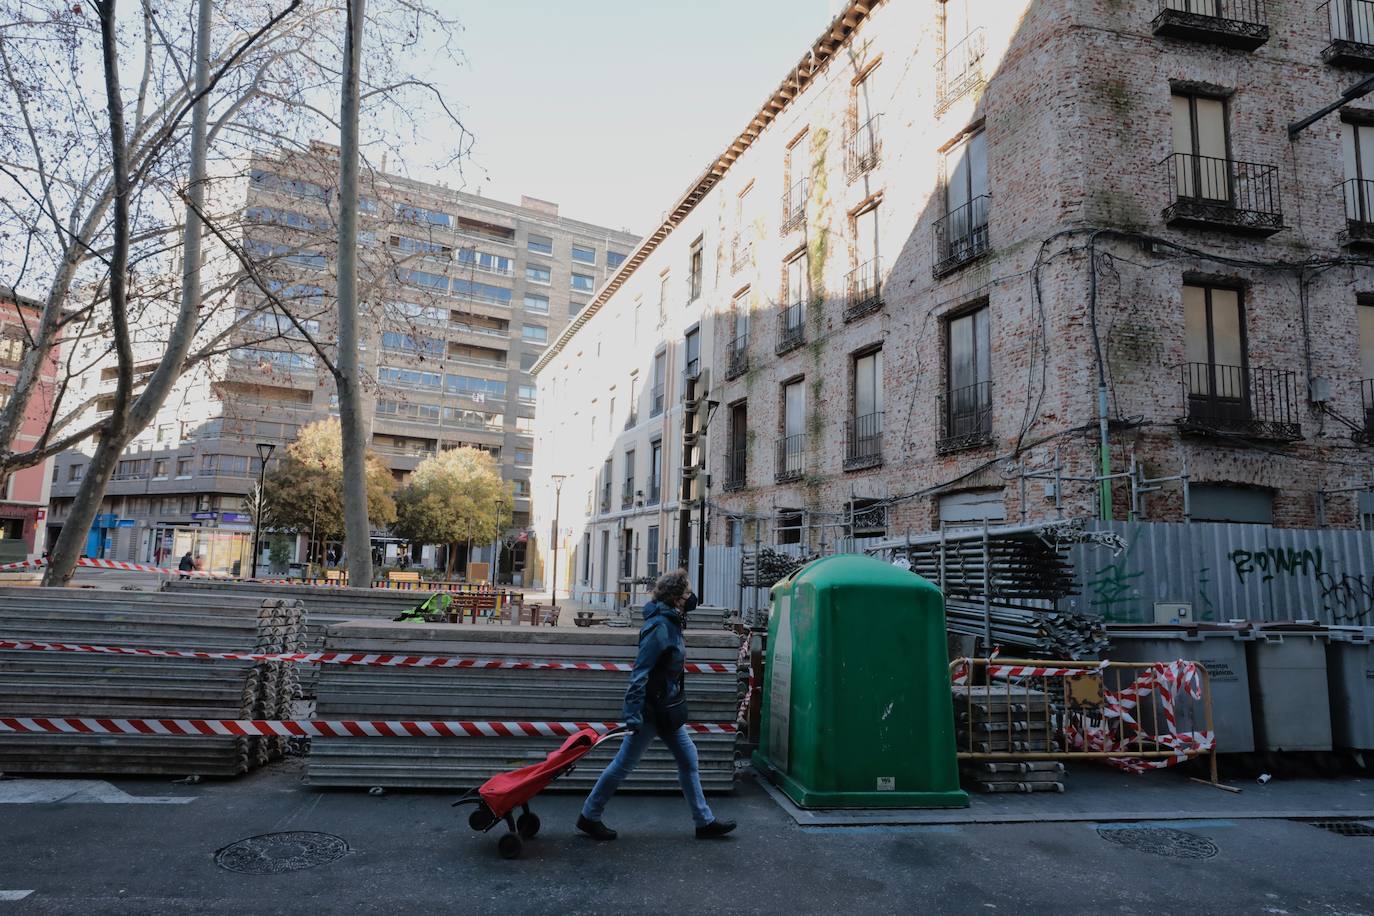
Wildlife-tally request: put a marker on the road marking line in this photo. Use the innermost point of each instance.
(13, 895)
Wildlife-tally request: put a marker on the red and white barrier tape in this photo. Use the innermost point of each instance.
(95, 563)
(311, 728)
(353, 658)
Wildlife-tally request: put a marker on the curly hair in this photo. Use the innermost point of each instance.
(670, 587)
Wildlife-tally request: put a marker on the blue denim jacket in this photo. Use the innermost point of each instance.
(662, 653)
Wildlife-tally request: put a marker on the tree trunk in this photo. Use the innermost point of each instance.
(357, 526)
(126, 420)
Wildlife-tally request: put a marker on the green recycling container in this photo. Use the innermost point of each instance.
(856, 703)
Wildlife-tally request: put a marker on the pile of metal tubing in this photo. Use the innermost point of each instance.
(1051, 634)
(90, 685)
(505, 695)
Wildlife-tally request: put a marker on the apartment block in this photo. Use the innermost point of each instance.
(978, 261)
(460, 295)
(24, 494)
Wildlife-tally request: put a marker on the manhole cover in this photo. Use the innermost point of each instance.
(1345, 828)
(279, 853)
(1162, 841)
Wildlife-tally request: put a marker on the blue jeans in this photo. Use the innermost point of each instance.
(632, 748)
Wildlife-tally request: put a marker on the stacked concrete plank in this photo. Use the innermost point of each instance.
(63, 684)
(349, 692)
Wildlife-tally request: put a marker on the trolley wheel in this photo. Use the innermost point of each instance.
(509, 846)
(481, 819)
(527, 825)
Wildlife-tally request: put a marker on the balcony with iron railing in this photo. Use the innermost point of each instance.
(1242, 24)
(863, 148)
(736, 465)
(791, 458)
(863, 290)
(1246, 401)
(1351, 25)
(627, 494)
(651, 496)
(606, 497)
(965, 417)
(961, 236)
(794, 205)
(632, 420)
(863, 442)
(1208, 192)
(1366, 434)
(960, 71)
(658, 394)
(791, 328)
(1358, 196)
(739, 357)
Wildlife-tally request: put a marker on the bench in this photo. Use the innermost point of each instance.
(403, 577)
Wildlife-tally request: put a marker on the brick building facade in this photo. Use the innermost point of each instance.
(972, 258)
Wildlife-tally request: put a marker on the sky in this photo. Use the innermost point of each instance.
(611, 109)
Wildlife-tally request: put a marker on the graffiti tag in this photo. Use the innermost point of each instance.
(1275, 561)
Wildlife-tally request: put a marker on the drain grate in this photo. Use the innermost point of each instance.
(1345, 828)
(279, 853)
(1161, 841)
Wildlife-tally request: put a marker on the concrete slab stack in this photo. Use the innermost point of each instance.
(349, 692)
(79, 684)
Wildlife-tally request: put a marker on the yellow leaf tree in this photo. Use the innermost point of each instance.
(454, 497)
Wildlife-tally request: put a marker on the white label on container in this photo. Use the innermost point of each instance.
(887, 783)
(780, 694)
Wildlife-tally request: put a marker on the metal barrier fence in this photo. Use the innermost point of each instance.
(1136, 715)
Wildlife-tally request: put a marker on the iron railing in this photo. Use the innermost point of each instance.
(965, 417)
(794, 205)
(627, 494)
(651, 497)
(791, 328)
(1367, 411)
(1208, 191)
(736, 464)
(863, 148)
(961, 236)
(739, 357)
(1352, 33)
(658, 396)
(1358, 196)
(863, 441)
(1241, 400)
(791, 458)
(606, 497)
(632, 420)
(864, 290)
(1233, 23)
(961, 69)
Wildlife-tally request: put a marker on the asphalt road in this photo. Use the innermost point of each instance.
(411, 853)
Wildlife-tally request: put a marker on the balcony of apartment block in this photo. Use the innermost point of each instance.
(791, 464)
(479, 334)
(605, 504)
(1242, 24)
(1212, 193)
(863, 442)
(960, 71)
(737, 362)
(965, 418)
(794, 205)
(483, 357)
(279, 373)
(1365, 434)
(791, 328)
(658, 397)
(1351, 24)
(863, 149)
(736, 466)
(627, 495)
(863, 290)
(741, 254)
(632, 420)
(651, 494)
(1357, 194)
(961, 237)
(1245, 401)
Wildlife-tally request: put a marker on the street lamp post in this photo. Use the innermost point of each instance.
(557, 505)
(265, 450)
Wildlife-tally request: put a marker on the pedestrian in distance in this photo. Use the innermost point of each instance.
(185, 566)
(656, 705)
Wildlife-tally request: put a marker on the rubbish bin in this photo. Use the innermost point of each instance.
(1350, 680)
(1220, 648)
(856, 689)
(1288, 687)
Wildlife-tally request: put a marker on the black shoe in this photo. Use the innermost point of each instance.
(597, 830)
(715, 829)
